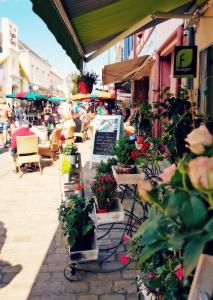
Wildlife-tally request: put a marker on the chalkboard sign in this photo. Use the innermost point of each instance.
(107, 129)
(104, 142)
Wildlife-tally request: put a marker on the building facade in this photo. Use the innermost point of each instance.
(21, 69)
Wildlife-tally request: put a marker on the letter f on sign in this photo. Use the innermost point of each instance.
(184, 58)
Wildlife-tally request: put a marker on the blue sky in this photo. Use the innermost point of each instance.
(34, 32)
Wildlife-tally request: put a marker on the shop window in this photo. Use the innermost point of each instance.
(206, 82)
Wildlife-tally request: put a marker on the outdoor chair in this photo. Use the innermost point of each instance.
(51, 147)
(70, 137)
(27, 151)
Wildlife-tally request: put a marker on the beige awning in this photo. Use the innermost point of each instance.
(143, 70)
(121, 71)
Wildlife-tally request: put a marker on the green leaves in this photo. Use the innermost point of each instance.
(194, 212)
(191, 254)
(175, 202)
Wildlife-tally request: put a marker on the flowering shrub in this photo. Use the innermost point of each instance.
(104, 189)
(125, 152)
(180, 220)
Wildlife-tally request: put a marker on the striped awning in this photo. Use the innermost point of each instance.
(86, 26)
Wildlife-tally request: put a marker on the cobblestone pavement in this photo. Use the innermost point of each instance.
(33, 253)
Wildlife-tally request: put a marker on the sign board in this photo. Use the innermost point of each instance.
(107, 130)
(185, 61)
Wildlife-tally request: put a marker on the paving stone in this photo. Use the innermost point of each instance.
(125, 285)
(44, 277)
(130, 274)
(100, 287)
(89, 297)
(56, 267)
(63, 297)
(76, 287)
(109, 276)
(113, 297)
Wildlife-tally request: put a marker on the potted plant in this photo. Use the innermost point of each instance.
(180, 219)
(66, 169)
(71, 151)
(79, 190)
(108, 206)
(78, 228)
(143, 121)
(106, 167)
(86, 82)
(126, 155)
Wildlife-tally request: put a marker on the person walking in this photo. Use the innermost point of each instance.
(5, 114)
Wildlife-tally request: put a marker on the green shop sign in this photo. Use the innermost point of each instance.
(185, 61)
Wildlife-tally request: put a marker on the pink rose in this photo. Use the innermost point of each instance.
(168, 173)
(144, 187)
(201, 172)
(199, 138)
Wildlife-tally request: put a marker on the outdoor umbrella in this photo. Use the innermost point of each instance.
(79, 97)
(13, 95)
(101, 94)
(56, 99)
(30, 96)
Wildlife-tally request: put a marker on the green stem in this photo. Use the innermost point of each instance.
(184, 182)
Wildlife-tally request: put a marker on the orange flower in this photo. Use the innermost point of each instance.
(168, 173)
(201, 172)
(199, 138)
(144, 187)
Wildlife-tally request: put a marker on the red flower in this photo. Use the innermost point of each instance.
(134, 154)
(124, 259)
(144, 147)
(62, 137)
(179, 272)
(99, 189)
(101, 178)
(166, 154)
(126, 239)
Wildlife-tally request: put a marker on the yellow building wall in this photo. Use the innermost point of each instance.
(203, 38)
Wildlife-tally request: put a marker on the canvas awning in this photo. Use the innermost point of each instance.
(142, 71)
(82, 27)
(121, 71)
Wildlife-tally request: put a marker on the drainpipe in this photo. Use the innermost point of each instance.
(179, 43)
(157, 90)
(190, 42)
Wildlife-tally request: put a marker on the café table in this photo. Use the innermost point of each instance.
(42, 133)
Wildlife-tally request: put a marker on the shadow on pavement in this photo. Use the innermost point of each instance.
(7, 271)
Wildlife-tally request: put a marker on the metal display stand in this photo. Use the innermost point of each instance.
(128, 227)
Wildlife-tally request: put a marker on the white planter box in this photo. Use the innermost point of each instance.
(116, 215)
(86, 255)
(125, 178)
(73, 159)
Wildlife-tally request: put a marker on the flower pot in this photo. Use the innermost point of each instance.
(85, 249)
(83, 87)
(102, 216)
(125, 178)
(140, 139)
(73, 158)
(66, 178)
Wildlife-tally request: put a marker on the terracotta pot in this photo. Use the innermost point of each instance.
(83, 87)
(140, 139)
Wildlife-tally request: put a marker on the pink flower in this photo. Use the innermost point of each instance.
(144, 187)
(199, 138)
(166, 154)
(126, 239)
(179, 272)
(151, 275)
(124, 259)
(201, 172)
(168, 173)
